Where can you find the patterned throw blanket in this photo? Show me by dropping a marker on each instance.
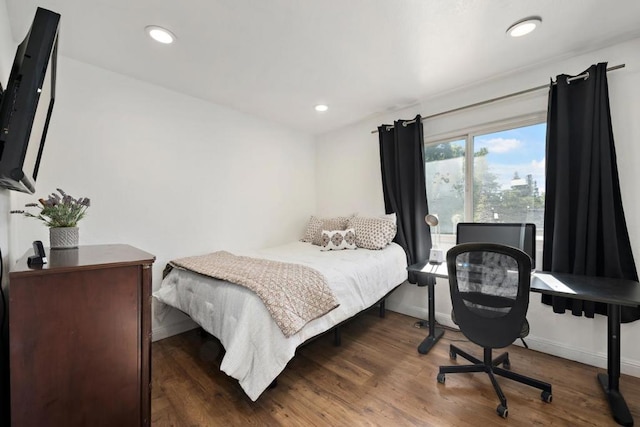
(294, 294)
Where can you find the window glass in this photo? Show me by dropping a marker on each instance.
(506, 182)
(445, 179)
(508, 175)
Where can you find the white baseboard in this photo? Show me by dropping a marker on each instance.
(599, 360)
(167, 331)
(420, 312)
(417, 311)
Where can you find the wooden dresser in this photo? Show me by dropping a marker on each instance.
(80, 338)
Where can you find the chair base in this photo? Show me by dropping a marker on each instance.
(491, 367)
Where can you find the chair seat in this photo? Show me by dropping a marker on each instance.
(524, 332)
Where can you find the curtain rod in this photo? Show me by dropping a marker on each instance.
(500, 98)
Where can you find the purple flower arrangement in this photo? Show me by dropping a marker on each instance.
(58, 210)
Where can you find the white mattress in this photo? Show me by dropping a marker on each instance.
(256, 349)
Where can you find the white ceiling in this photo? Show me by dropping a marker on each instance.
(278, 58)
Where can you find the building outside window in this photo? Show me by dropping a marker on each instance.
(502, 179)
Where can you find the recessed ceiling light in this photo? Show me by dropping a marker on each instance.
(321, 108)
(160, 34)
(524, 26)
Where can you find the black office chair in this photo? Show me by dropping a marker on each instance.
(490, 295)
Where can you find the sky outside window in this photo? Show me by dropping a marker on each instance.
(519, 150)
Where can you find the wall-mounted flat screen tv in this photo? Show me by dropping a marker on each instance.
(27, 102)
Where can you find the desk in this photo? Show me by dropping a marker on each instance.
(613, 292)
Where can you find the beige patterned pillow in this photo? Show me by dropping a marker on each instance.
(391, 217)
(373, 233)
(316, 225)
(338, 239)
(313, 226)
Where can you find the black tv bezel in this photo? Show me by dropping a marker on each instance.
(530, 232)
(35, 60)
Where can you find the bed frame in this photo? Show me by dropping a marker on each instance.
(384, 278)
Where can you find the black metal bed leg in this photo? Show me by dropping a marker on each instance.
(337, 338)
(382, 308)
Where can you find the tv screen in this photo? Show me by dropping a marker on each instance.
(27, 103)
(521, 236)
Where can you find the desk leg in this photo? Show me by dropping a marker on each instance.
(611, 382)
(434, 333)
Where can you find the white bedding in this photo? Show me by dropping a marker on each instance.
(256, 349)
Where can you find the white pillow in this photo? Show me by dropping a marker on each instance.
(338, 239)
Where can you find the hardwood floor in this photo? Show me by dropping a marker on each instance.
(376, 378)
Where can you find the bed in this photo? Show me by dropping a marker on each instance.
(256, 348)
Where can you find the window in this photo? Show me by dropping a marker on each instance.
(501, 181)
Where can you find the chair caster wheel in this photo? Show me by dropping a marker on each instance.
(441, 378)
(452, 355)
(546, 396)
(506, 364)
(502, 411)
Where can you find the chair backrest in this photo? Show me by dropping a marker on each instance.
(519, 235)
(489, 286)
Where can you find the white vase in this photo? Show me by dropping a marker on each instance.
(64, 237)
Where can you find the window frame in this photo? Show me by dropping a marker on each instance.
(467, 135)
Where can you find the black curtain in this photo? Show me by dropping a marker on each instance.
(585, 231)
(403, 185)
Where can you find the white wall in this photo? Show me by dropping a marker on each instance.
(355, 184)
(167, 173)
(7, 46)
